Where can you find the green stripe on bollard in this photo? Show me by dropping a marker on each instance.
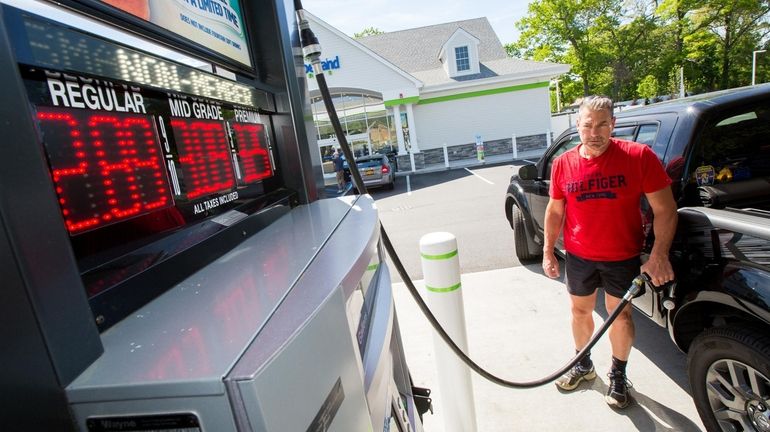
(443, 290)
(439, 257)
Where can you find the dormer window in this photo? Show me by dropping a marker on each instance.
(462, 59)
(460, 54)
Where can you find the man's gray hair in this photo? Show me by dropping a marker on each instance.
(596, 103)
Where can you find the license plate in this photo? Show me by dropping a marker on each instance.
(369, 171)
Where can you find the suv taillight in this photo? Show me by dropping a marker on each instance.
(385, 169)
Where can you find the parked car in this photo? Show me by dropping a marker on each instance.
(376, 171)
(716, 149)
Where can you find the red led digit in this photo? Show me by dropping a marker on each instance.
(106, 167)
(203, 156)
(133, 175)
(252, 151)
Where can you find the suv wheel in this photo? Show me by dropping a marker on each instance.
(525, 247)
(729, 370)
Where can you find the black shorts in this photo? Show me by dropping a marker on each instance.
(584, 276)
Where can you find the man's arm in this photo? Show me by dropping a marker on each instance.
(664, 226)
(554, 217)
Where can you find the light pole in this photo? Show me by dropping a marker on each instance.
(754, 65)
(558, 97)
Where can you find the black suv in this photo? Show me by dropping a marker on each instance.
(716, 149)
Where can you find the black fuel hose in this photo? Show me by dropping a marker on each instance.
(312, 51)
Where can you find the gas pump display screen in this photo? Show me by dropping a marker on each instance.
(131, 164)
(119, 151)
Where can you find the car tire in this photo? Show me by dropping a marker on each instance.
(392, 184)
(729, 369)
(525, 248)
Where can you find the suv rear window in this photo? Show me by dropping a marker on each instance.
(738, 141)
(730, 164)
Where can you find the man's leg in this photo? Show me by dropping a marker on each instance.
(582, 319)
(582, 279)
(621, 339)
(622, 329)
(582, 329)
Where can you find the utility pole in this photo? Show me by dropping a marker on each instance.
(754, 65)
(558, 97)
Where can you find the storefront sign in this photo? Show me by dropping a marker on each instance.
(327, 65)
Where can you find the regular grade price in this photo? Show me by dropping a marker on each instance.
(108, 167)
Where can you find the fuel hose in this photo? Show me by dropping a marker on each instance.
(311, 49)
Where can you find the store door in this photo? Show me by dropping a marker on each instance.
(359, 144)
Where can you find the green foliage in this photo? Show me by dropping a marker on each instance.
(625, 48)
(648, 87)
(369, 31)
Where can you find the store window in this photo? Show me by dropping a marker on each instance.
(462, 59)
(368, 125)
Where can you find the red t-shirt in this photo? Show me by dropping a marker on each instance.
(603, 220)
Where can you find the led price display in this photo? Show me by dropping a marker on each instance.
(252, 151)
(204, 156)
(106, 167)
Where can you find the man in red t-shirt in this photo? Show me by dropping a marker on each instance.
(595, 193)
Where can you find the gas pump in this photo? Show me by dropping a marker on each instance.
(167, 260)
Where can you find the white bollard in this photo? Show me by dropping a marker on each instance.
(411, 160)
(548, 137)
(446, 157)
(515, 147)
(443, 294)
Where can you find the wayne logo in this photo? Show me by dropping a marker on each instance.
(328, 65)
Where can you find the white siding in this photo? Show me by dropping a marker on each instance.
(498, 116)
(359, 69)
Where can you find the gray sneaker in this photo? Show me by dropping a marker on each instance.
(617, 393)
(570, 380)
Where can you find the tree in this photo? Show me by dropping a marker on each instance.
(369, 31)
(558, 26)
(615, 45)
(648, 87)
(738, 25)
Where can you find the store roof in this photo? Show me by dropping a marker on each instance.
(416, 51)
(493, 68)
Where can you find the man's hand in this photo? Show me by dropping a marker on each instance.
(550, 265)
(554, 217)
(658, 268)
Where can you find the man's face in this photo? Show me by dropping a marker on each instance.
(595, 128)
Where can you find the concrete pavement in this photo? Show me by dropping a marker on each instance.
(519, 329)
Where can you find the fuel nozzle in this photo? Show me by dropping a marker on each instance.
(668, 290)
(636, 286)
(311, 48)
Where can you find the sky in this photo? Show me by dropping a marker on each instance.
(351, 16)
